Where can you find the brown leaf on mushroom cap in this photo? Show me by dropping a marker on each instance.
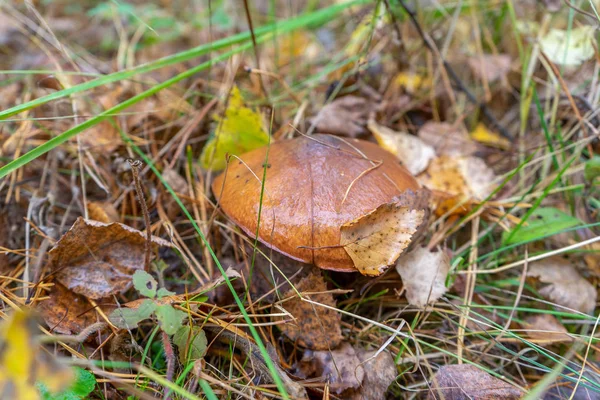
(313, 327)
(96, 259)
(374, 241)
(67, 312)
(313, 186)
(465, 381)
(566, 286)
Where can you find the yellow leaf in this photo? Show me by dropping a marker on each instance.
(411, 82)
(22, 363)
(238, 132)
(483, 135)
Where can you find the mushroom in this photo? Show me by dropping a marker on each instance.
(340, 204)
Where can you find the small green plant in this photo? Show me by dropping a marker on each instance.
(170, 319)
(84, 384)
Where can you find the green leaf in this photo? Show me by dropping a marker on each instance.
(162, 292)
(191, 342)
(144, 283)
(170, 319)
(542, 222)
(84, 384)
(592, 169)
(128, 318)
(238, 132)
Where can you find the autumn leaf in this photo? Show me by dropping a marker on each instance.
(414, 154)
(484, 135)
(239, 131)
(97, 259)
(423, 275)
(346, 116)
(375, 240)
(313, 327)
(545, 328)
(565, 285)
(23, 363)
(465, 381)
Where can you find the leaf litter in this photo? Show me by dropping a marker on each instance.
(461, 114)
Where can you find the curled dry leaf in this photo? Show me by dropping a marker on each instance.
(341, 367)
(457, 180)
(414, 154)
(346, 116)
(569, 47)
(66, 312)
(566, 286)
(546, 328)
(491, 67)
(423, 275)
(465, 381)
(97, 260)
(447, 139)
(313, 327)
(376, 240)
(380, 372)
(102, 211)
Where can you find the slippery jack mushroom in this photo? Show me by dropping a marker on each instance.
(340, 204)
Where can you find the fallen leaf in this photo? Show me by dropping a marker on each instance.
(239, 131)
(102, 211)
(413, 153)
(129, 318)
(97, 260)
(491, 67)
(380, 372)
(483, 135)
(546, 328)
(346, 116)
(423, 275)
(447, 139)
(569, 47)
(23, 363)
(341, 367)
(465, 381)
(458, 180)
(66, 312)
(412, 83)
(313, 327)
(176, 181)
(566, 287)
(376, 240)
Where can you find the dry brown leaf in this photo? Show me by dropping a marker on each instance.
(66, 312)
(414, 154)
(97, 260)
(176, 181)
(423, 275)
(375, 240)
(490, 67)
(447, 139)
(102, 211)
(465, 381)
(313, 327)
(546, 328)
(345, 116)
(566, 286)
(458, 180)
(380, 372)
(341, 367)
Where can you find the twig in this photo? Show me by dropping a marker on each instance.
(452, 74)
(170, 358)
(135, 169)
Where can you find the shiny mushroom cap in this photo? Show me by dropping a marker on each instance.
(316, 185)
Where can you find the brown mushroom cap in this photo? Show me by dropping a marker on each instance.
(313, 186)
